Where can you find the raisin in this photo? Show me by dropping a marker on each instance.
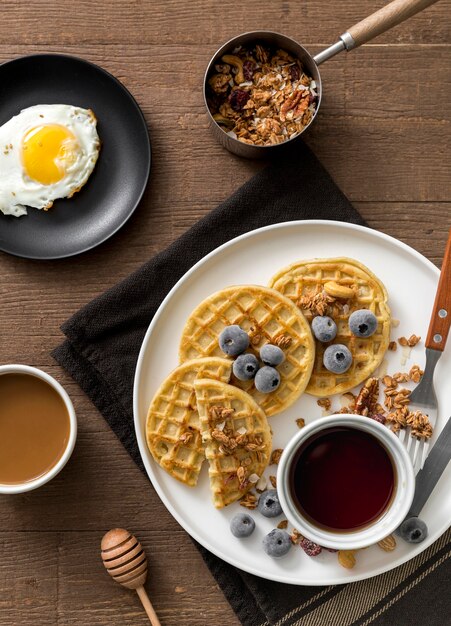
(378, 417)
(295, 72)
(238, 99)
(310, 547)
(248, 69)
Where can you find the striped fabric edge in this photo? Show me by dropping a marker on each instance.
(358, 600)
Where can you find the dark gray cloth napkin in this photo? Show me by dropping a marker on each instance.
(100, 352)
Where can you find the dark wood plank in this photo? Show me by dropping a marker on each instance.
(46, 23)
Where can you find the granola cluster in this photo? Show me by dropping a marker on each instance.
(230, 441)
(261, 96)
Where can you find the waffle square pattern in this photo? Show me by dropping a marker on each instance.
(268, 317)
(337, 287)
(236, 436)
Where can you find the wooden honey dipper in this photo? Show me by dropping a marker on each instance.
(125, 560)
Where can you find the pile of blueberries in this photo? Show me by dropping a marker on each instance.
(337, 358)
(277, 542)
(233, 341)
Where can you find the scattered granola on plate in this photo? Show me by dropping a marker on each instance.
(261, 96)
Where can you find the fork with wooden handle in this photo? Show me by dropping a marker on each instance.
(125, 560)
(423, 397)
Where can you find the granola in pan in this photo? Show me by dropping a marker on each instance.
(261, 96)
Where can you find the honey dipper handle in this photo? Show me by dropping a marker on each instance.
(441, 313)
(153, 618)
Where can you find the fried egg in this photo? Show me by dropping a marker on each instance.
(47, 151)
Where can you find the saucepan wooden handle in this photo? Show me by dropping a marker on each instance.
(441, 312)
(388, 16)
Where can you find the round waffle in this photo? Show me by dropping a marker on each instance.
(237, 439)
(268, 317)
(172, 427)
(337, 287)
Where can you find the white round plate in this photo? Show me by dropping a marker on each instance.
(254, 257)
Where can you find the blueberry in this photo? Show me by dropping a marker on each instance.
(413, 530)
(267, 379)
(245, 366)
(324, 328)
(242, 525)
(271, 355)
(362, 323)
(233, 340)
(277, 543)
(337, 358)
(268, 503)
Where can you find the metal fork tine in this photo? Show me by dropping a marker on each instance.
(415, 453)
(425, 453)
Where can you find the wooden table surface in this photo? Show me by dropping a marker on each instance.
(383, 134)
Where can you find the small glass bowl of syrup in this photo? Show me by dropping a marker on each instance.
(345, 482)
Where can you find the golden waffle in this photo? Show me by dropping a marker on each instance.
(237, 439)
(267, 316)
(302, 280)
(173, 428)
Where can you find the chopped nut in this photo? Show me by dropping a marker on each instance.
(338, 291)
(237, 63)
(295, 536)
(317, 303)
(415, 373)
(219, 412)
(411, 341)
(275, 456)
(261, 485)
(324, 403)
(276, 100)
(420, 427)
(300, 422)
(283, 341)
(346, 558)
(186, 437)
(273, 481)
(393, 346)
(283, 524)
(388, 544)
(366, 401)
(249, 501)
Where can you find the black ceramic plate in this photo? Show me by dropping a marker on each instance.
(117, 183)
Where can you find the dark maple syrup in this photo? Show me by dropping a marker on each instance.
(342, 479)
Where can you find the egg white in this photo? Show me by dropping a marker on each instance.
(17, 189)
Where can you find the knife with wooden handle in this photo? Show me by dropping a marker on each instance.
(413, 529)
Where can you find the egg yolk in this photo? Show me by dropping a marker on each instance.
(47, 152)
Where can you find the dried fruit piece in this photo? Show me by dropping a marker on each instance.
(310, 547)
(238, 99)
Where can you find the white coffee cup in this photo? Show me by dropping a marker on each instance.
(53, 471)
(393, 515)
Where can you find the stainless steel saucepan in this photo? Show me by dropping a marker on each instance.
(382, 20)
